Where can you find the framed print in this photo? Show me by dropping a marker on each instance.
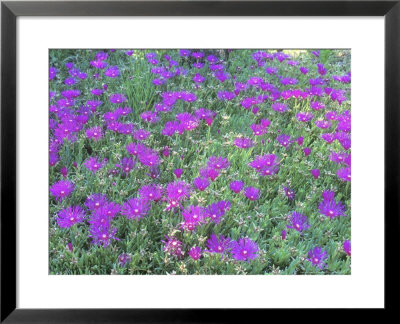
(195, 152)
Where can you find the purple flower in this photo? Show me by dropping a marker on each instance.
(195, 253)
(347, 247)
(315, 173)
(304, 116)
(95, 132)
(188, 121)
(242, 142)
(102, 235)
(124, 259)
(330, 207)
(151, 192)
(141, 134)
(303, 70)
(321, 69)
(178, 173)
(244, 249)
(266, 165)
(317, 257)
(344, 174)
(70, 216)
(150, 116)
(210, 173)
(177, 191)
(173, 247)
(117, 98)
(283, 235)
(217, 210)
(62, 189)
(135, 208)
(201, 183)
(93, 164)
(252, 193)
(218, 162)
(316, 105)
(193, 216)
(323, 124)
(236, 186)
(298, 221)
(284, 140)
(112, 72)
(280, 107)
(198, 78)
(307, 151)
(329, 138)
(218, 244)
(126, 165)
(289, 193)
(96, 201)
(52, 73)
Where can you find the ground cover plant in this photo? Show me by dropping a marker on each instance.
(199, 161)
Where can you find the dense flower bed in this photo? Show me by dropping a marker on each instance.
(200, 162)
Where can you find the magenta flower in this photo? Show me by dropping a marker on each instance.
(289, 193)
(135, 208)
(315, 173)
(347, 247)
(126, 165)
(217, 210)
(173, 247)
(344, 174)
(198, 78)
(141, 134)
(201, 183)
(151, 192)
(178, 173)
(280, 107)
(124, 259)
(62, 189)
(210, 173)
(102, 235)
(96, 201)
(284, 140)
(266, 165)
(317, 257)
(298, 221)
(70, 216)
(307, 151)
(283, 235)
(195, 253)
(95, 133)
(178, 190)
(252, 193)
(330, 207)
(242, 142)
(218, 162)
(218, 244)
(304, 117)
(244, 249)
(93, 164)
(112, 72)
(117, 98)
(193, 216)
(236, 186)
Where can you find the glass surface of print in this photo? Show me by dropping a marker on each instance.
(200, 161)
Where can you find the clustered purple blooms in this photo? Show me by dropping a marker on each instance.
(94, 164)
(266, 165)
(243, 142)
(252, 193)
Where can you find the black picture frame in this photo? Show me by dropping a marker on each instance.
(10, 10)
